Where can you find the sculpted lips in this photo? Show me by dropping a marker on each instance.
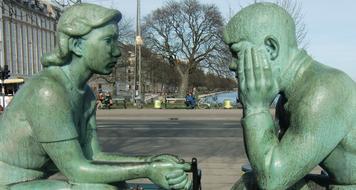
(112, 64)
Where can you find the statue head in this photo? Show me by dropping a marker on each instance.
(268, 28)
(78, 24)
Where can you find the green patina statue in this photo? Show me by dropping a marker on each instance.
(50, 124)
(315, 115)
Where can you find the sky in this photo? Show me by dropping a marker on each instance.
(330, 25)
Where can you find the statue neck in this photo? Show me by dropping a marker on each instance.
(294, 71)
(77, 73)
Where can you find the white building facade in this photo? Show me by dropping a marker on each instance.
(27, 31)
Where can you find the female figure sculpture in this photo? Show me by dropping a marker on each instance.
(51, 120)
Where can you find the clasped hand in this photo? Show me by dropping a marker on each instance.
(169, 172)
(257, 87)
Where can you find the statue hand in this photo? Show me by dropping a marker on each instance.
(257, 87)
(170, 175)
(166, 157)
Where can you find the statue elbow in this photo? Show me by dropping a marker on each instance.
(274, 179)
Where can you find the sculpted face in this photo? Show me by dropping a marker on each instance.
(266, 28)
(100, 49)
(239, 49)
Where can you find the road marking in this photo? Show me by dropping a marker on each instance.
(144, 127)
(134, 124)
(199, 139)
(230, 124)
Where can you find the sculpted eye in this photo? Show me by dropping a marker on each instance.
(108, 40)
(235, 54)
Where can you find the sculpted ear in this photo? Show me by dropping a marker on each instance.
(76, 46)
(272, 47)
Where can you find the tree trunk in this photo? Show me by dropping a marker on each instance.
(183, 86)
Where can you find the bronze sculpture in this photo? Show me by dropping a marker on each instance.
(315, 116)
(50, 124)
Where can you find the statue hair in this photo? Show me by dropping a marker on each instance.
(75, 22)
(260, 20)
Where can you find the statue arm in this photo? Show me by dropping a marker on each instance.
(315, 127)
(53, 126)
(68, 157)
(315, 131)
(94, 152)
(91, 148)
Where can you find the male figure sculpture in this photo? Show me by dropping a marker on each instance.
(51, 120)
(316, 113)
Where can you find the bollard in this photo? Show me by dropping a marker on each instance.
(157, 104)
(196, 175)
(227, 104)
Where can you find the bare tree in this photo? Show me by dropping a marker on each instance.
(65, 3)
(126, 31)
(187, 34)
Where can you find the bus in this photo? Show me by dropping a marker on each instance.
(11, 86)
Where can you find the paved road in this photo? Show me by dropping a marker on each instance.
(212, 136)
(217, 144)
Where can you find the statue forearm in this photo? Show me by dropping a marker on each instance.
(115, 157)
(107, 172)
(260, 138)
(69, 159)
(94, 152)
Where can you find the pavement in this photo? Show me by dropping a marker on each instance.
(214, 136)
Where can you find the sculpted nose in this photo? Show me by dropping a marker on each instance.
(233, 66)
(116, 52)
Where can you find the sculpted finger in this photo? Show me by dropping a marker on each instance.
(169, 157)
(180, 185)
(185, 166)
(172, 157)
(261, 60)
(188, 185)
(267, 71)
(240, 71)
(250, 80)
(177, 180)
(175, 174)
(257, 71)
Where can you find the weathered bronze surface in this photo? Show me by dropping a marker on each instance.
(316, 114)
(50, 124)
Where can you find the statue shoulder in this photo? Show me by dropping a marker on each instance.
(323, 97)
(338, 82)
(327, 86)
(52, 121)
(47, 90)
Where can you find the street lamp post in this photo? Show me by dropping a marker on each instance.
(138, 45)
(132, 59)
